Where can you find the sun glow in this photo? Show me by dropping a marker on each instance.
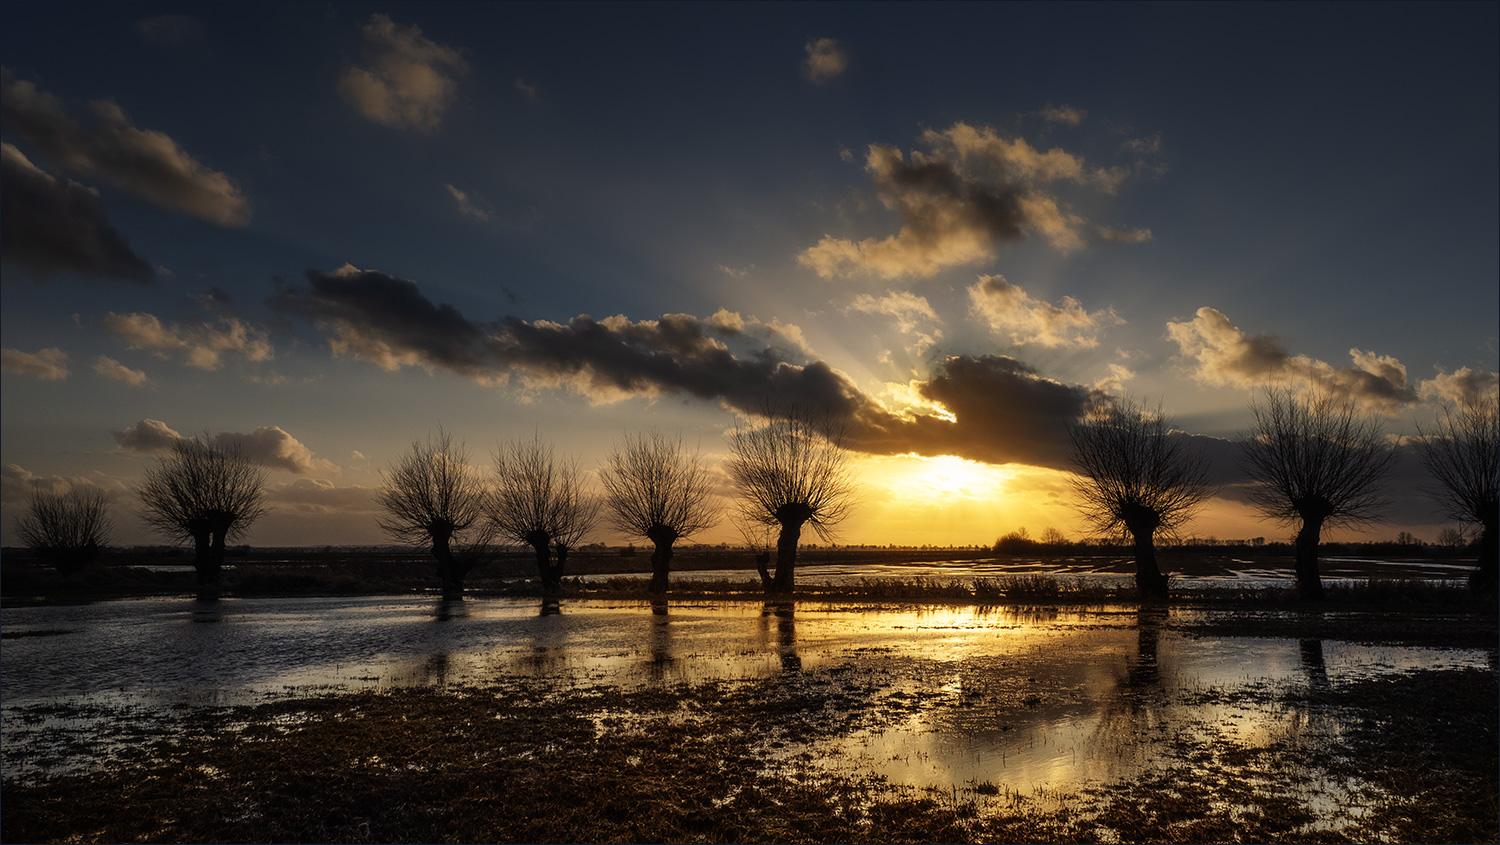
(939, 480)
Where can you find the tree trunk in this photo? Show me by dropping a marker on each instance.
(786, 559)
(1486, 576)
(560, 567)
(449, 571)
(661, 557)
(1309, 582)
(1148, 578)
(762, 562)
(203, 559)
(541, 542)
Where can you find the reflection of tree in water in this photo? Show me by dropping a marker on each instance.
(662, 658)
(1143, 671)
(1136, 716)
(551, 607)
(1312, 663)
(450, 608)
(786, 632)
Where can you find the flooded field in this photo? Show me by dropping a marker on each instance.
(1005, 701)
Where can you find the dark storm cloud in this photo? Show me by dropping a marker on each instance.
(998, 409)
(48, 226)
(387, 321)
(142, 162)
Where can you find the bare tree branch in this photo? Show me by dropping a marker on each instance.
(1315, 462)
(1462, 453)
(432, 496)
(67, 529)
(541, 502)
(1135, 477)
(792, 471)
(653, 489)
(206, 492)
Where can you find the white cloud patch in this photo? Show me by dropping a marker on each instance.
(109, 368)
(46, 364)
(826, 60)
(143, 162)
(1459, 386)
(407, 81)
(202, 345)
(1008, 308)
(1222, 354)
(908, 308)
(969, 191)
(471, 204)
(268, 445)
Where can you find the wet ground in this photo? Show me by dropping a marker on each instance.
(1005, 701)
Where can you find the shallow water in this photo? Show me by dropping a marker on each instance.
(1022, 698)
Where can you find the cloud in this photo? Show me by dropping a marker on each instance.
(147, 437)
(388, 322)
(1225, 355)
(989, 408)
(203, 345)
(994, 409)
(170, 30)
(969, 191)
(272, 447)
(1459, 386)
(267, 445)
(908, 308)
(471, 204)
(407, 81)
(46, 364)
(145, 163)
(110, 368)
(826, 60)
(1110, 234)
(527, 90)
(1144, 146)
(49, 227)
(1007, 308)
(1064, 114)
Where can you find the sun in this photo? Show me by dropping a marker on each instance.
(939, 480)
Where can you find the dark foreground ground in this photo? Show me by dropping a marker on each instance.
(1407, 756)
(1410, 758)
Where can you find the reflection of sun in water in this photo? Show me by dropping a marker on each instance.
(941, 480)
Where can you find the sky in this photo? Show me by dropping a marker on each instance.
(326, 230)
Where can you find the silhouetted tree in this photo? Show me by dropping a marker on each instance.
(1134, 477)
(433, 497)
(66, 530)
(205, 492)
(653, 489)
(1463, 454)
(1316, 462)
(540, 501)
(790, 472)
